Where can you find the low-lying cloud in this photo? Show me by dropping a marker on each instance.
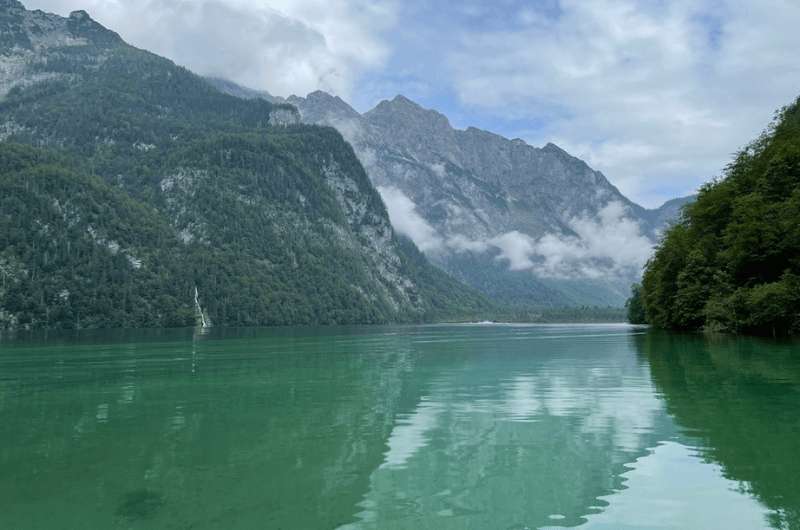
(408, 222)
(608, 244)
(611, 243)
(516, 248)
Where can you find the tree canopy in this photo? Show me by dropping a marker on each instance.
(733, 262)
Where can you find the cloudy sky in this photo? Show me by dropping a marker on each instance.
(657, 94)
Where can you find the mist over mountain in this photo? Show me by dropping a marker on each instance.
(526, 225)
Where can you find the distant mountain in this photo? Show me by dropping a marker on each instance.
(128, 185)
(669, 212)
(525, 225)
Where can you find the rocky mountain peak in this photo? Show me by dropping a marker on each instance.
(11, 5)
(550, 146)
(569, 160)
(402, 110)
(320, 106)
(80, 15)
(83, 25)
(423, 133)
(401, 100)
(37, 32)
(321, 97)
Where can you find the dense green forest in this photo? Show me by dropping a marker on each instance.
(126, 182)
(733, 263)
(80, 253)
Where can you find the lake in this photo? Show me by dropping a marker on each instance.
(418, 427)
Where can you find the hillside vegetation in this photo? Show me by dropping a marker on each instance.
(733, 263)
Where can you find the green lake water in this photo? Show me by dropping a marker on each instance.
(430, 427)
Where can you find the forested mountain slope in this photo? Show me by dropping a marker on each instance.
(146, 183)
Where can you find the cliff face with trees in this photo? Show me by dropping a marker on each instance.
(127, 182)
(733, 263)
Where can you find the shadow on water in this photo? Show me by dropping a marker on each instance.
(740, 397)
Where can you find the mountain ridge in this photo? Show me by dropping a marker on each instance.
(321, 97)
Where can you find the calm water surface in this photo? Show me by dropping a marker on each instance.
(433, 427)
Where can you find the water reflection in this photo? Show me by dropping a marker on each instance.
(670, 488)
(520, 428)
(738, 399)
(426, 427)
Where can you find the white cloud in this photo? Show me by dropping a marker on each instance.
(284, 46)
(515, 247)
(352, 132)
(655, 94)
(606, 246)
(610, 245)
(407, 221)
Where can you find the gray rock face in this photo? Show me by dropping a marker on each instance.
(526, 225)
(472, 182)
(31, 42)
(323, 109)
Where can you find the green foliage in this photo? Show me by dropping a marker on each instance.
(733, 262)
(635, 306)
(77, 253)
